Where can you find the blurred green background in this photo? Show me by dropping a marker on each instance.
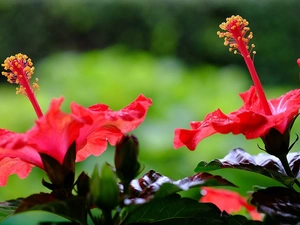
(111, 51)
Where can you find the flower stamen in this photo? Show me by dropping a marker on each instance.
(237, 36)
(20, 69)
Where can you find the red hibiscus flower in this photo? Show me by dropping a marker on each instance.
(107, 125)
(270, 120)
(91, 128)
(52, 135)
(250, 120)
(229, 201)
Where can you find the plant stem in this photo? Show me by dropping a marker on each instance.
(126, 184)
(287, 168)
(116, 218)
(91, 216)
(106, 217)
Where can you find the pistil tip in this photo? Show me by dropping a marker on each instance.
(237, 35)
(20, 69)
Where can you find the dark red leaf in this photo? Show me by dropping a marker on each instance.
(154, 184)
(280, 203)
(262, 163)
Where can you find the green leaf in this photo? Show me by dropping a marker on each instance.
(240, 220)
(58, 223)
(73, 208)
(176, 210)
(104, 189)
(8, 208)
(280, 203)
(206, 167)
(95, 184)
(262, 163)
(153, 184)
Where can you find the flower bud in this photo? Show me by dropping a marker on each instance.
(126, 158)
(82, 184)
(278, 144)
(104, 188)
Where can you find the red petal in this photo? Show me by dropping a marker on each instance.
(54, 132)
(189, 138)
(199, 131)
(107, 125)
(11, 140)
(251, 101)
(284, 109)
(10, 166)
(229, 201)
(14, 145)
(250, 124)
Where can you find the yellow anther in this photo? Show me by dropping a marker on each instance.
(20, 70)
(235, 32)
(21, 90)
(35, 86)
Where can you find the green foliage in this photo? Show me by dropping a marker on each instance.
(7, 208)
(176, 210)
(157, 204)
(104, 188)
(184, 29)
(181, 211)
(177, 91)
(73, 208)
(116, 77)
